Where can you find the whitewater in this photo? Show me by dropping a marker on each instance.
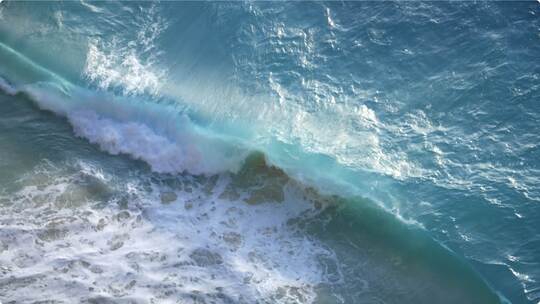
(265, 152)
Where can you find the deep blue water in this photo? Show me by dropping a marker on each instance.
(269, 152)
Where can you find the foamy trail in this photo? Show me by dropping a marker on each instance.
(161, 136)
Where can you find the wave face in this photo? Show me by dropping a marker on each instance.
(258, 152)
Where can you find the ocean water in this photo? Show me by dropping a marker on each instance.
(269, 152)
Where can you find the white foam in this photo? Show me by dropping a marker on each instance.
(141, 142)
(198, 245)
(329, 20)
(165, 139)
(120, 68)
(91, 7)
(131, 66)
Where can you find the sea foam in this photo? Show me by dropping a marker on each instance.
(195, 247)
(165, 139)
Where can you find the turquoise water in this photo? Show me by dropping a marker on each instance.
(260, 152)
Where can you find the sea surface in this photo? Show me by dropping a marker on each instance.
(270, 152)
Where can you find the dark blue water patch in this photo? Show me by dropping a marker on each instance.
(495, 238)
(505, 283)
(399, 263)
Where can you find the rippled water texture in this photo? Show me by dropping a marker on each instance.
(264, 152)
